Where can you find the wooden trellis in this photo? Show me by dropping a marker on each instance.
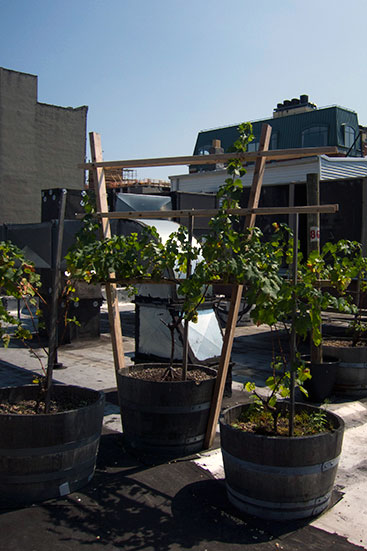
(259, 157)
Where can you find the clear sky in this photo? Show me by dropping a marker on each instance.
(155, 72)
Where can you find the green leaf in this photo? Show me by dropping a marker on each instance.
(272, 401)
(249, 387)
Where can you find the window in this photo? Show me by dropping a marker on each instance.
(349, 135)
(204, 150)
(315, 136)
(253, 146)
(274, 140)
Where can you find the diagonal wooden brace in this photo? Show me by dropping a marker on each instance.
(236, 296)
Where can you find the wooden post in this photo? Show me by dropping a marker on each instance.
(313, 219)
(236, 296)
(364, 217)
(102, 206)
(313, 241)
(359, 296)
(291, 199)
(53, 337)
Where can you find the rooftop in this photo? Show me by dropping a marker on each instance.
(134, 505)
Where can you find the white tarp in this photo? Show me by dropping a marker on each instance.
(205, 336)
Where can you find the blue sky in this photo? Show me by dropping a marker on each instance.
(155, 72)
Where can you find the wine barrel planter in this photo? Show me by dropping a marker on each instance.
(45, 456)
(323, 378)
(164, 419)
(351, 377)
(277, 477)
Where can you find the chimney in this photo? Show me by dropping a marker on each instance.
(293, 106)
(216, 147)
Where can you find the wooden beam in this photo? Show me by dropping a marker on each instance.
(159, 214)
(258, 176)
(224, 361)
(313, 244)
(275, 154)
(237, 291)
(166, 281)
(111, 293)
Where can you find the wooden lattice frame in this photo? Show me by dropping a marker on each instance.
(259, 157)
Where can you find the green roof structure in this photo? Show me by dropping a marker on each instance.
(295, 123)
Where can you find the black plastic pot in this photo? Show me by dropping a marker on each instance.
(164, 419)
(46, 456)
(323, 378)
(351, 377)
(277, 477)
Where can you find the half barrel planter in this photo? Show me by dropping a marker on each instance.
(164, 419)
(351, 376)
(278, 477)
(44, 456)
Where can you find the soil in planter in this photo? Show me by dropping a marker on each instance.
(345, 343)
(162, 374)
(305, 423)
(33, 407)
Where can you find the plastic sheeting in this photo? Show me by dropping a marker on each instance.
(205, 336)
(126, 202)
(164, 228)
(153, 336)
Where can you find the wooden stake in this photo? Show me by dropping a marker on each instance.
(185, 358)
(293, 347)
(236, 296)
(313, 243)
(111, 293)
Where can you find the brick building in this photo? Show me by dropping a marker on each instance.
(40, 147)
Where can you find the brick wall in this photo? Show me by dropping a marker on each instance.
(40, 147)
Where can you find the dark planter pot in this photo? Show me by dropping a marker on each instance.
(351, 377)
(323, 378)
(164, 419)
(277, 477)
(48, 455)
